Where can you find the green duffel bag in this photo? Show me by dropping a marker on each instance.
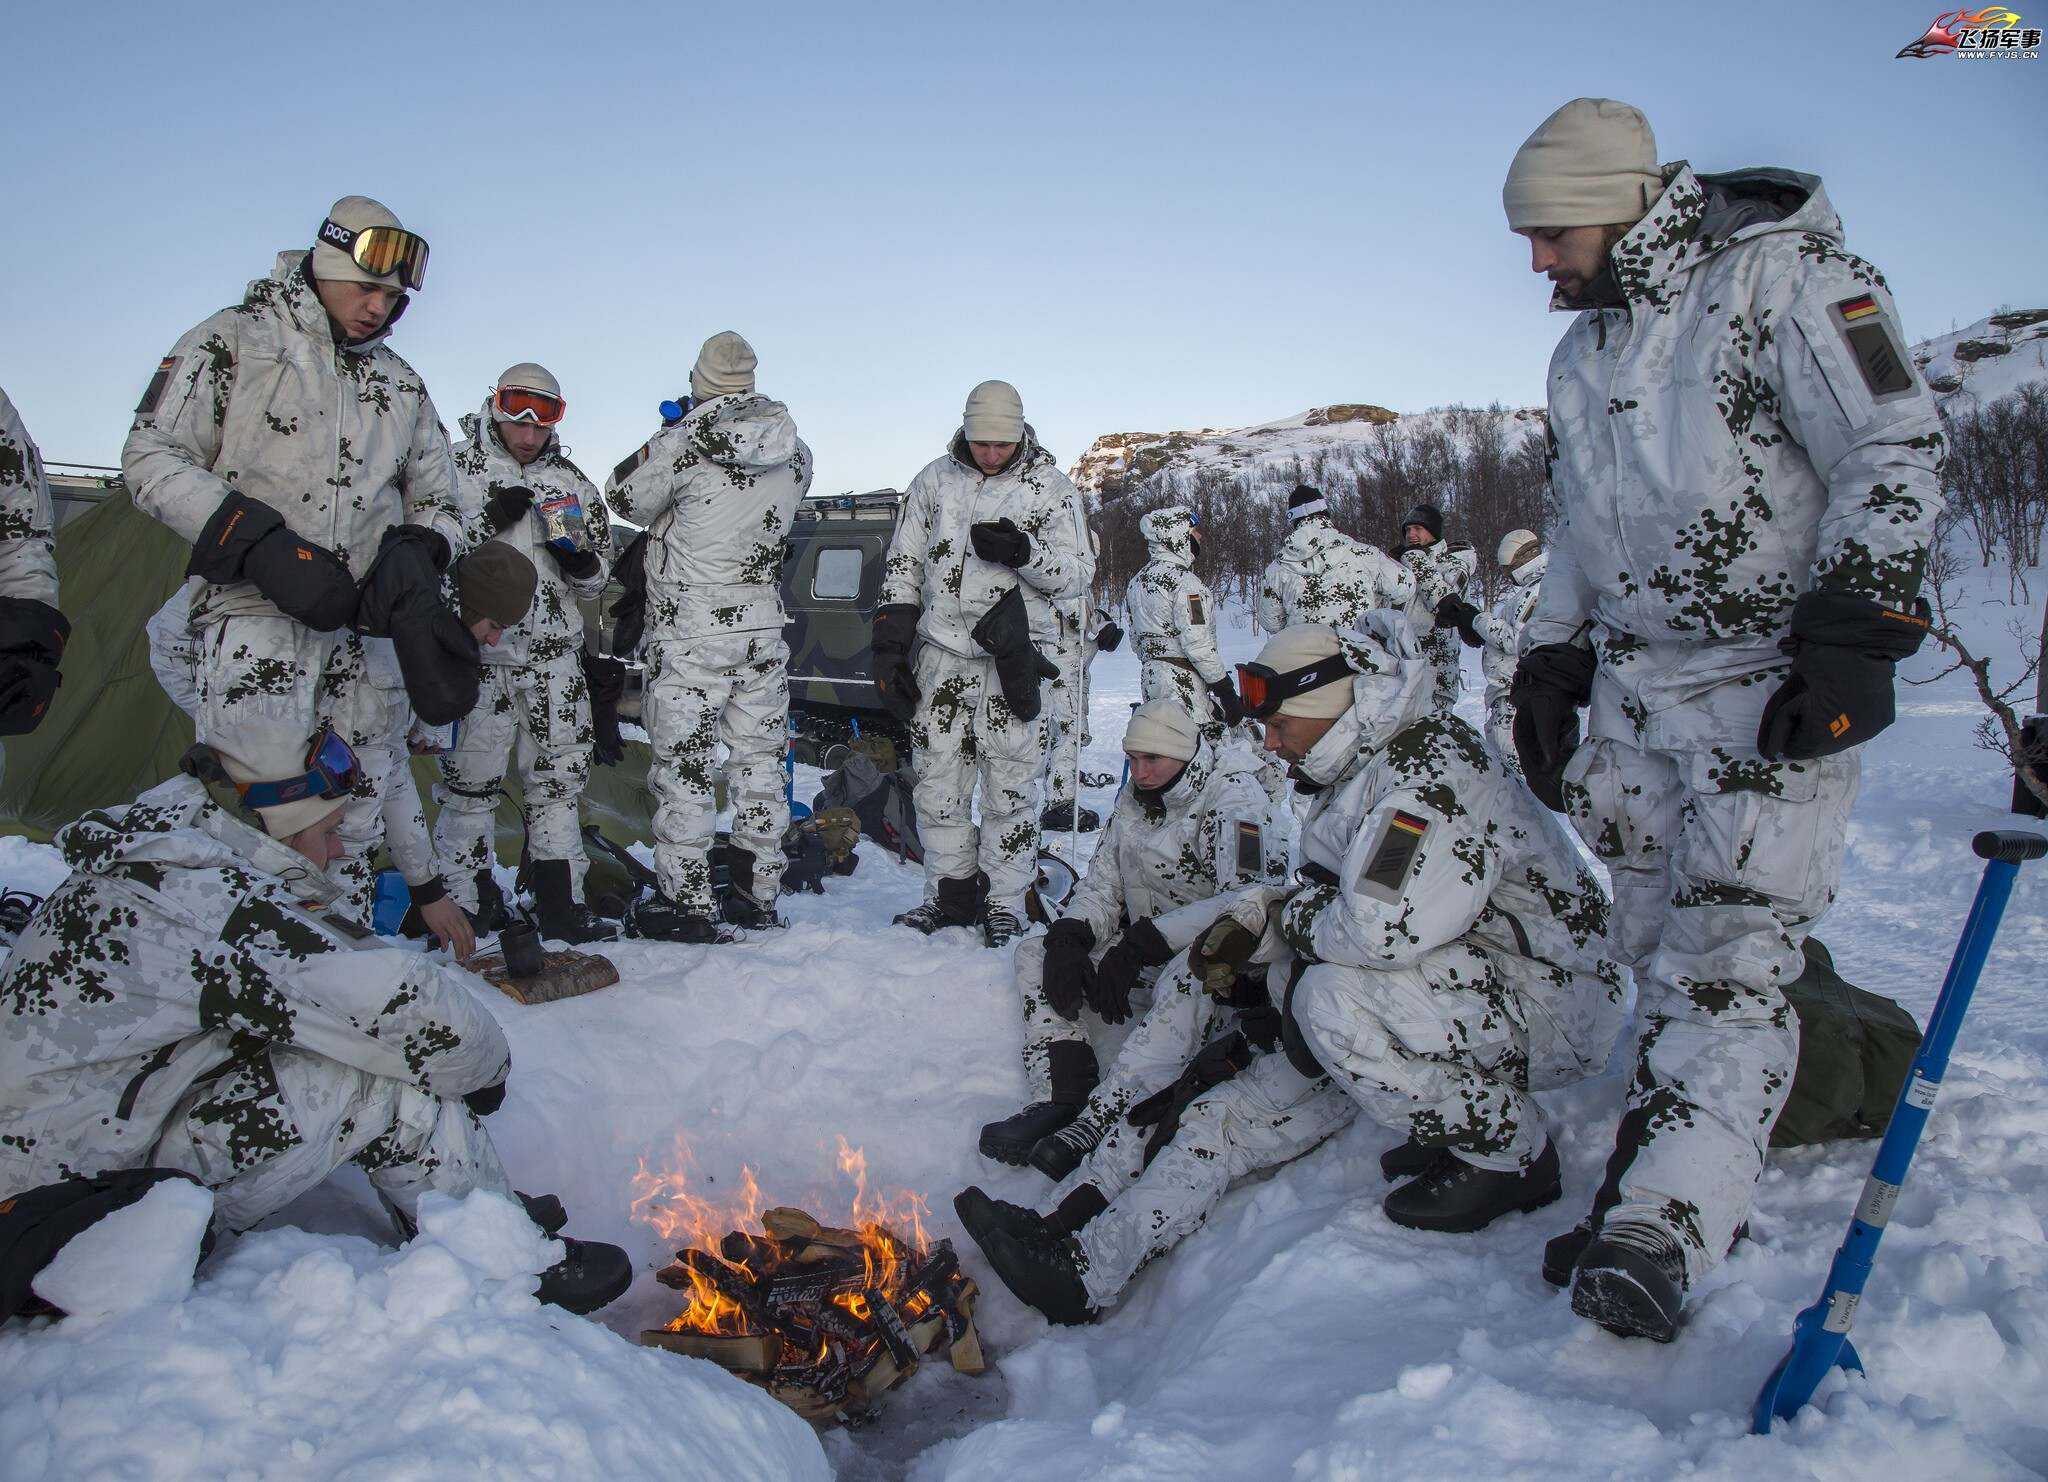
(1855, 1050)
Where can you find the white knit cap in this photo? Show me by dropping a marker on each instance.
(1516, 547)
(331, 264)
(724, 366)
(995, 414)
(264, 756)
(526, 376)
(1162, 728)
(1591, 163)
(1298, 647)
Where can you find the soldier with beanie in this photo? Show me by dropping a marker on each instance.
(1438, 957)
(1748, 469)
(520, 494)
(717, 494)
(992, 540)
(1192, 824)
(1444, 571)
(306, 464)
(1322, 575)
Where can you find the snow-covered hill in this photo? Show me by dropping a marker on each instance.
(1992, 358)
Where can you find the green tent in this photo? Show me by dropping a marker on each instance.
(112, 733)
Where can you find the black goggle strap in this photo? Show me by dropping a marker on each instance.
(1273, 689)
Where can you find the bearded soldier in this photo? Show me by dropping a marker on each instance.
(1748, 468)
(716, 494)
(1443, 571)
(1190, 825)
(1439, 959)
(1322, 575)
(991, 540)
(518, 487)
(32, 631)
(303, 459)
(189, 999)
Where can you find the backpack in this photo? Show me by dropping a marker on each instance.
(1855, 1051)
(881, 800)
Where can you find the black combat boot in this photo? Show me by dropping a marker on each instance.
(1561, 1253)
(1060, 1153)
(590, 1275)
(1409, 1159)
(956, 903)
(1456, 1197)
(562, 919)
(981, 1215)
(544, 1210)
(739, 906)
(1045, 1276)
(1058, 818)
(1074, 1074)
(1631, 1280)
(1000, 926)
(661, 919)
(491, 913)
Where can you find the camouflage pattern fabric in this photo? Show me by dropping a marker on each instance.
(174, 649)
(1063, 755)
(1727, 440)
(28, 551)
(965, 733)
(1500, 632)
(731, 690)
(1215, 832)
(1324, 576)
(1445, 568)
(189, 997)
(385, 808)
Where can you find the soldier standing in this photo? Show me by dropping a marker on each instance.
(1322, 575)
(517, 485)
(32, 631)
(1731, 600)
(1523, 558)
(716, 493)
(991, 540)
(1444, 571)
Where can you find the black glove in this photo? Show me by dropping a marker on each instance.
(1226, 699)
(1215, 1063)
(606, 680)
(438, 657)
(32, 639)
(1000, 541)
(247, 540)
(578, 563)
(1551, 683)
(1069, 972)
(507, 507)
(487, 1099)
(1455, 612)
(1839, 694)
(1136, 948)
(1108, 638)
(893, 633)
(1004, 633)
(629, 613)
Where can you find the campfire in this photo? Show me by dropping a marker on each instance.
(825, 1318)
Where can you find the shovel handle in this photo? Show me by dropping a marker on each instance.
(2009, 845)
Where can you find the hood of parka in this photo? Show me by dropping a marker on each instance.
(1395, 686)
(289, 289)
(742, 432)
(1028, 452)
(1169, 535)
(1181, 795)
(1698, 216)
(177, 825)
(1310, 536)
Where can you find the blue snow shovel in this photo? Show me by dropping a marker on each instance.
(1820, 1334)
(798, 812)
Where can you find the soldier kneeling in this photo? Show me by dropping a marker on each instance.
(192, 999)
(1438, 959)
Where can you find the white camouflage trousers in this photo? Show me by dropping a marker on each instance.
(539, 716)
(731, 690)
(1721, 863)
(406, 1140)
(1067, 737)
(1500, 731)
(1170, 1013)
(965, 732)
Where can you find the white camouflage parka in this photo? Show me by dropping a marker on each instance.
(342, 441)
(28, 550)
(717, 494)
(1744, 426)
(1173, 615)
(1500, 633)
(1322, 575)
(183, 947)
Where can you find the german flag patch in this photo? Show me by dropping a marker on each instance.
(1886, 372)
(1251, 850)
(1195, 609)
(1393, 856)
(630, 464)
(154, 391)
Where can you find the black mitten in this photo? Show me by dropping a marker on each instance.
(893, 633)
(1839, 694)
(1551, 683)
(1069, 971)
(247, 540)
(1000, 541)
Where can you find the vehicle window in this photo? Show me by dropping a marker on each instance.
(837, 574)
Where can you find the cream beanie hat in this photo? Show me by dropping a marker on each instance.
(995, 414)
(724, 366)
(1162, 728)
(266, 757)
(1591, 163)
(331, 264)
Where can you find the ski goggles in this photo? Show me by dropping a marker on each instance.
(1265, 689)
(380, 251)
(331, 773)
(521, 404)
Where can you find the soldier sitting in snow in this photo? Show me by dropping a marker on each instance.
(190, 999)
(1191, 824)
(1439, 958)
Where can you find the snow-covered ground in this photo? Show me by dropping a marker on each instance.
(1300, 1335)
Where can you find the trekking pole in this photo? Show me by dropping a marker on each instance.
(1820, 1334)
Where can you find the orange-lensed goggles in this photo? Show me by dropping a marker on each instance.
(518, 404)
(380, 251)
(1264, 689)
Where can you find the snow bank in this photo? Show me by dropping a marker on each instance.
(309, 1356)
(133, 1257)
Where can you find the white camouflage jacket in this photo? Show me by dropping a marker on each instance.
(1322, 575)
(260, 400)
(717, 494)
(1215, 832)
(1173, 614)
(28, 551)
(181, 947)
(565, 501)
(932, 564)
(1500, 630)
(1745, 425)
(1430, 842)
(1443, 568)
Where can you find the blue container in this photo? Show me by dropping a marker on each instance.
(393, 898)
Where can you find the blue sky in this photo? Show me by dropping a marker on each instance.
(1147, 216)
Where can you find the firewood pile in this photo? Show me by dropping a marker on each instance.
(826, 1320)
